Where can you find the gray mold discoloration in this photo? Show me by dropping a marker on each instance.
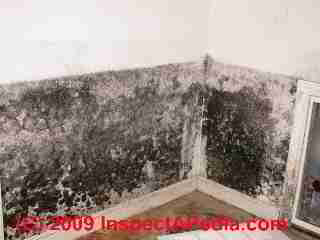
(79, 144)
(249, 118)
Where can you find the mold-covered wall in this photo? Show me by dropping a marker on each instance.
(79, 144)
(248, 124)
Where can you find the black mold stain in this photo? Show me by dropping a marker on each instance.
(90, 147)
(293, 88)
(88, 142)
(236, 133)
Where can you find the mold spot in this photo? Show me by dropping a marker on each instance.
(237, 141)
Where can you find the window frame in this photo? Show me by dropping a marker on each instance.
(309, 94)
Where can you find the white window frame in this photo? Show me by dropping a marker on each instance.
(308, 94)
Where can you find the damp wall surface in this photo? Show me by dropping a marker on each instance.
(79, 144)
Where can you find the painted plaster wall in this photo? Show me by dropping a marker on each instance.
(41, 39)
(274, 36)
(57, 39)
